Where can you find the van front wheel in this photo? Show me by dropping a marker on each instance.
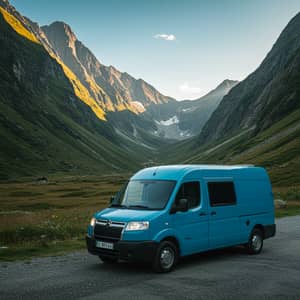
(256, 242)
(166, 257)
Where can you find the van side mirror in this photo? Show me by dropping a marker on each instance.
(112, 198)
(182, 206)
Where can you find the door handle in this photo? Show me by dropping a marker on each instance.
(213, 213)
(202, 214)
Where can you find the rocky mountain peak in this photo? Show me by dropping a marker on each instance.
(62, 34)
(227, 83)
(61, 27)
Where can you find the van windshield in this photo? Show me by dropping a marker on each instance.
(145, 194)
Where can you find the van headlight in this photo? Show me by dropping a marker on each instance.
(137, 226)
(93, 222)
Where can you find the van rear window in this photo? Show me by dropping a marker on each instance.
(221, 193)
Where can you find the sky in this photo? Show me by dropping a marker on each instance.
(184, 48)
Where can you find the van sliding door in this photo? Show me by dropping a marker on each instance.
(222, 210)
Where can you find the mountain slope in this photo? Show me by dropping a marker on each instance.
(264, 97)
(44, 127)
(276, 148)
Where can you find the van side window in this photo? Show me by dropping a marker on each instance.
(221, 193)
(191, 192)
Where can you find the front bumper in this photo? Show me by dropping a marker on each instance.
(125, 250)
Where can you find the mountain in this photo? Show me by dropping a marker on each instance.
(62, 111)
(103, 88)
(183, 119)
(44, 127)
(112, 89)
(258, 121)
(265, 96)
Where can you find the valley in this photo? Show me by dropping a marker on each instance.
(63, 112)
(84, 128)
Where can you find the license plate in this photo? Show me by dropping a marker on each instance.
(105, 245)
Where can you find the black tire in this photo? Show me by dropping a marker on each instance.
(256, 241)
(166, 257)
(108, 260)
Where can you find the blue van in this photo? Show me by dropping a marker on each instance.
(163, 213)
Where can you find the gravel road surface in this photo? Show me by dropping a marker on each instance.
(222, 274)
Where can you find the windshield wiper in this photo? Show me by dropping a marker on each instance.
(139, 206)
(118, 205)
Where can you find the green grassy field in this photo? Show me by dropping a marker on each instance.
(51, 219)
(42, 219)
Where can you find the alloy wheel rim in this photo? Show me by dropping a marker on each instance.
(167, 257)
(256, 242)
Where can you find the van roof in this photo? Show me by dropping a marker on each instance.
(175, 172)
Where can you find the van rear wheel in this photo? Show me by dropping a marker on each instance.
(166, 257)
(256, 242)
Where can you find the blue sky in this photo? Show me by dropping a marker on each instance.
(184, 48)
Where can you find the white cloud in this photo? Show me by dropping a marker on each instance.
(187, 88)
(190, 90)
(166, 37)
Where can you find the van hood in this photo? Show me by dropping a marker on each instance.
(127, 215)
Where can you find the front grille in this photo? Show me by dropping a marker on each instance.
(108, 231)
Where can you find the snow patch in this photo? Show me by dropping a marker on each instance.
(171, 121)
(185, 133)
(187, 109)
